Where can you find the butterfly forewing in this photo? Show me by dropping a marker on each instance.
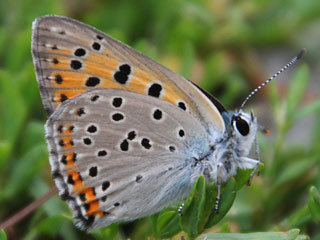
(111, 151)
(72, 58)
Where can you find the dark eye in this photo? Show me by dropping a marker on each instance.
(242, 126)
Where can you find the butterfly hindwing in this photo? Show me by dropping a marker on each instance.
(111, 151)
(72, 58)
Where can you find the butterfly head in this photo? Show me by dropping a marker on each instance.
(241, 128)
(244, 124)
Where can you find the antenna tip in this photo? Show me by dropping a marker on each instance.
(266, 131)
(301, 53)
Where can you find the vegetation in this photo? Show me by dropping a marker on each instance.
(219, 45)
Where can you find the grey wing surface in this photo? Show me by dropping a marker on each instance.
(118, 155)
(63, 73)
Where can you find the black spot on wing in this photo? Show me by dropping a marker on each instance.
(93, 171)
(93, 82)
(80, 52)
(75, 64)
(155, 90)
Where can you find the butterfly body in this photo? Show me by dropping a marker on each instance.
(127, 136)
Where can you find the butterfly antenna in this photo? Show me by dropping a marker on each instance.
(273, 77)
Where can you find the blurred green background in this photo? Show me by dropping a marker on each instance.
(228, 47)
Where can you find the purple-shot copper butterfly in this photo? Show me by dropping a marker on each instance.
(126, 135)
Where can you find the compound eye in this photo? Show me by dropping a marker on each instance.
(242, 126)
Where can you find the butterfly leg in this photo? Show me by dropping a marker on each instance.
(257, 164)
(253, 173)
(249, 163)
(180, 209)
(219, 166)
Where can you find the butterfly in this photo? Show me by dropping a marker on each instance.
(126, 135)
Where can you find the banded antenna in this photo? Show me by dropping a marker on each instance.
(273, 77)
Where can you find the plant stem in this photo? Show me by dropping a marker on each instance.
(11, 221)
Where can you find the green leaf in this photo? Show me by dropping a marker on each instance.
(314, 203)
(154, 225)
(229, 192)
(210, 202)
(243, 175)
(109, 232)
(165, 217)
(3, 235)
(168, 224)
(290, 235)
(193, 209)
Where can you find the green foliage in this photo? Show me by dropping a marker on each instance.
(217, 44)
(314, 203)
(198, 212)
(291, 235)
(3, 235)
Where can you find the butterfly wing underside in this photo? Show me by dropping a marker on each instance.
(72, 58)
(117, 155)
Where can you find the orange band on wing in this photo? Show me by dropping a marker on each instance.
(92, 207)
(66, 142)
(77, 180)
(70, 158)
(89, 194)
